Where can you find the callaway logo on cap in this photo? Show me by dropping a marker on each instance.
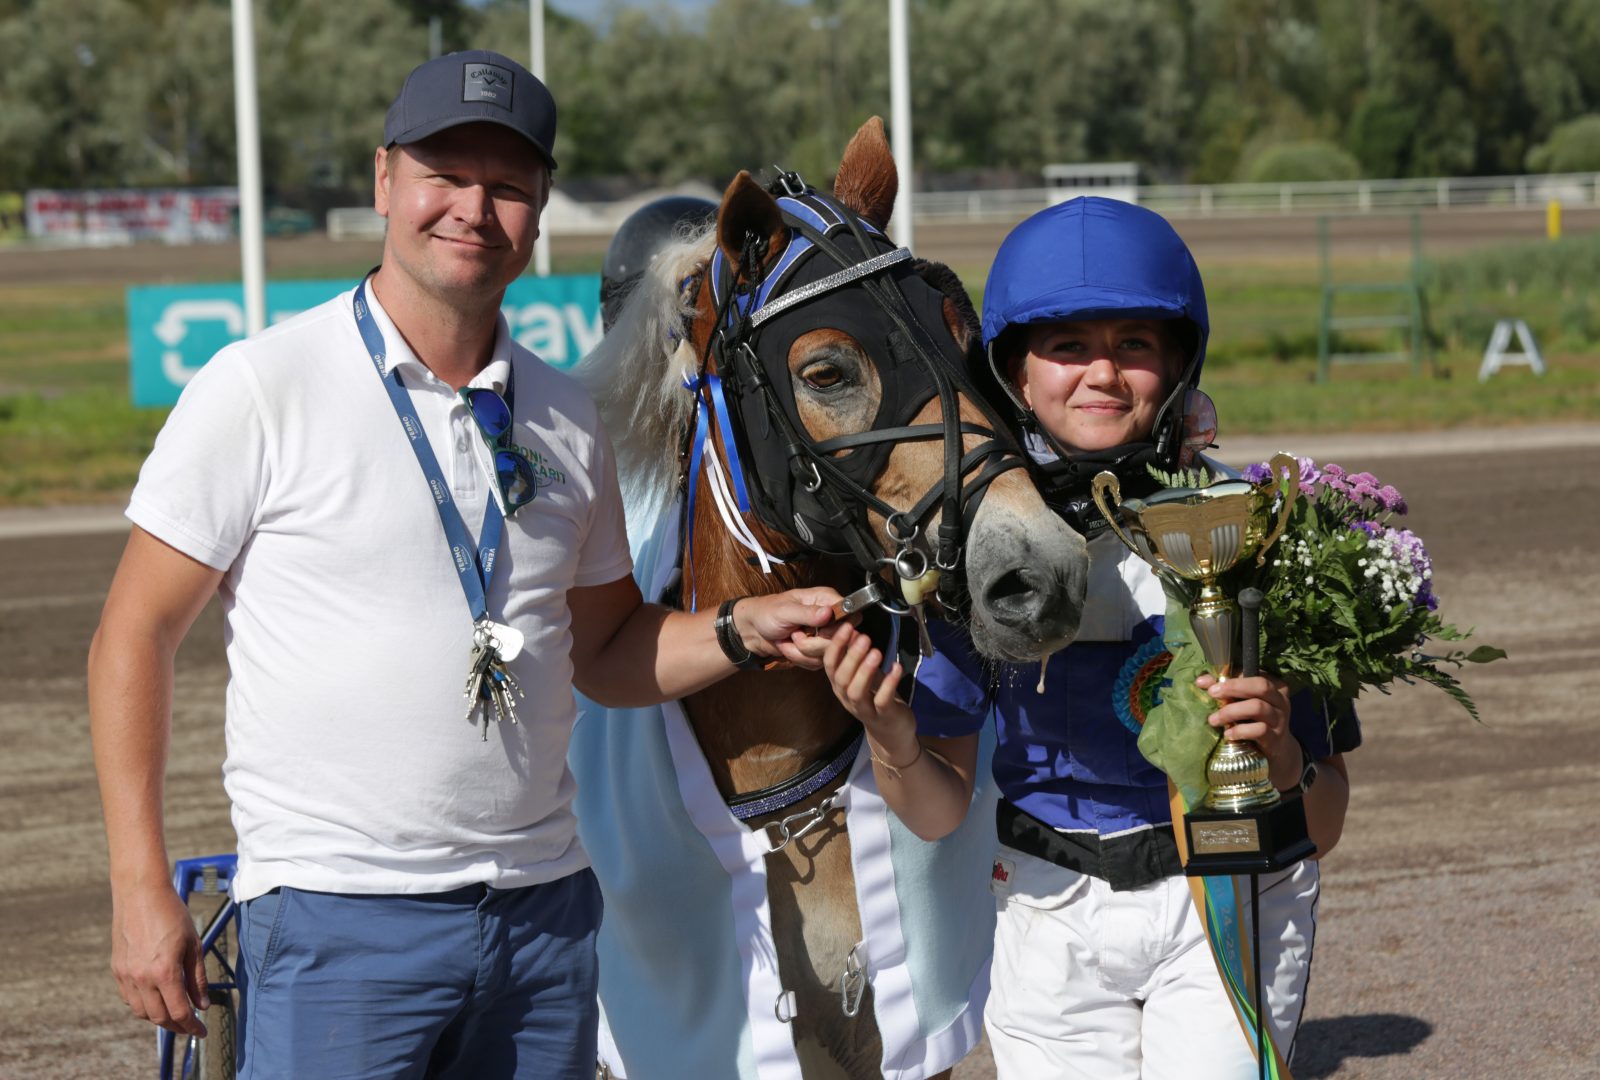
(486, 82)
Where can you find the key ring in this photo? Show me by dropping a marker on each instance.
(910, 563)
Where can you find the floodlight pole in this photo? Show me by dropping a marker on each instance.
(247, 130)
(541, 246)
(900, 121)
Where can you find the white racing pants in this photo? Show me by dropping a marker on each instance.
(1091, 984)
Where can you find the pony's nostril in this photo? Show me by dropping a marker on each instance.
(1013, 597)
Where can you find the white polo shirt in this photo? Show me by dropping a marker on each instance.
(350, 761)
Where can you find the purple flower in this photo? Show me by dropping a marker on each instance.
(1363, 485)
(1391, 500)
(1371, 528)
(1259, 473)
(1330, 471)
(1308, 476)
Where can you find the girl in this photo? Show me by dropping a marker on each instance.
(1095, 321)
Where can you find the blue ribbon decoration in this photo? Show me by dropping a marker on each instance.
(473, 571)
(719, 404)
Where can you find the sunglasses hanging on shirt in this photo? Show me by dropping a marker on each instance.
(513, 473)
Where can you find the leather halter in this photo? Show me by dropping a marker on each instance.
(793, 483)
(801, 487)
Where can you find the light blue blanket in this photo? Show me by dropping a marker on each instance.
(688, 969)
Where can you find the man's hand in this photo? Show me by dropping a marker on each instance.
(154, 598)
(157, 961)
(788, 625)
(626, 653)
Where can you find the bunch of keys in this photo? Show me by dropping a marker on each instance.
(490, 684)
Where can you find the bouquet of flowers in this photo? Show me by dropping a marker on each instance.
(1349, 603)
(1349, 594)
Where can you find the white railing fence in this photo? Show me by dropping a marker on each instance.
(1174, 200)
(1328, 197)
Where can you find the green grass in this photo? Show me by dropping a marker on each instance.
(82, 446)
(57, 340)
(69, 434)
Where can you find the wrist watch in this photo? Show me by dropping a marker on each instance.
(732, 644)
(1308, 771)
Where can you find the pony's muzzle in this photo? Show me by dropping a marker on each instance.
(1034, 602)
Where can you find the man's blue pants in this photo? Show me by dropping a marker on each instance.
(477, 982)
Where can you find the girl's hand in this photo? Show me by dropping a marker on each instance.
(853, 664)
(1257, 709)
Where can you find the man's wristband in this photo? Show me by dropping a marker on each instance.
(732, 644)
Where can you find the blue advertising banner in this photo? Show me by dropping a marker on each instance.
(174, 329)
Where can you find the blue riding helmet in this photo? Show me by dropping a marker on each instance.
(1097, 258)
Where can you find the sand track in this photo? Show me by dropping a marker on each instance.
(1458, 920)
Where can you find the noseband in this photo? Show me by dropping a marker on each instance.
(818, 492)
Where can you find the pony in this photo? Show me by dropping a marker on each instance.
(789, 400)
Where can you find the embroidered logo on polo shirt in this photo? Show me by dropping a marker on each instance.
(486, 82)
(545, 471)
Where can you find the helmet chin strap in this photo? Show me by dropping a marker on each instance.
(1167, 431)
(1065, 481)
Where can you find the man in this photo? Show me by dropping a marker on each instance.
(414, 899)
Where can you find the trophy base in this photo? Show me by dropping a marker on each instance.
(1249, 841)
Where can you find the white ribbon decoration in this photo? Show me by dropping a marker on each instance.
(727, 508)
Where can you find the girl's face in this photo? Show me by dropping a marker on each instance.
(1097, 383)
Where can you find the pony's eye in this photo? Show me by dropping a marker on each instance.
(822, 376)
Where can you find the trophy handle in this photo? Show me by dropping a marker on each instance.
(1107, 481)
(1290, 487)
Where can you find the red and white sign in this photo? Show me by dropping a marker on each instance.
(121, 216)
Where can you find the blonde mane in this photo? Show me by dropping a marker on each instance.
(636, 373)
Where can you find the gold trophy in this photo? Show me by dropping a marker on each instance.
(1197, 534)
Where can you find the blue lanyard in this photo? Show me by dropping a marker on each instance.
(474, 573)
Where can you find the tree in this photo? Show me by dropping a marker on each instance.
(1572, 147)
(327, 74)
(1297, 162)
(182, 107)
(59, 89)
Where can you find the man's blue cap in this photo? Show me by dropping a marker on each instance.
(474, 87)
